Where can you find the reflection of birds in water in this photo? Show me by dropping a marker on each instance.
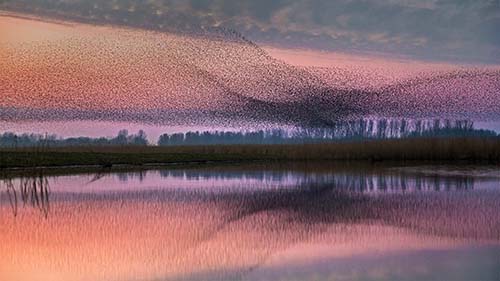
(33, 190)
(317, 206)
(314, 207)
(311, 207)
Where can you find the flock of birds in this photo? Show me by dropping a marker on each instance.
(216, 77)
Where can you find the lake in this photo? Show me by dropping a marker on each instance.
(310, 221)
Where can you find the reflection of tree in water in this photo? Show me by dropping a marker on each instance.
(125, 177)
(33, 190)
(363, 181)
(372, 183)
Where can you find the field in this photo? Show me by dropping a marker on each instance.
(418, 149)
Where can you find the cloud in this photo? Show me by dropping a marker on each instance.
(442, 29)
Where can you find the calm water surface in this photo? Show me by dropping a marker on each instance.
(258, 222)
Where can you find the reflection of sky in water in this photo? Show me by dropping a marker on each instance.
(256, 223)
(366, 181)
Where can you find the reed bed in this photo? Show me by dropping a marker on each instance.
(415, 149)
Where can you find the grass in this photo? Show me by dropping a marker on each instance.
(417, 149)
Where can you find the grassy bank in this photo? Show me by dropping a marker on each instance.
(418, 149)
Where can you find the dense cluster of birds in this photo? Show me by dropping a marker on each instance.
(120, 74)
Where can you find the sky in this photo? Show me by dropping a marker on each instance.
(170, 65)
(456, 30)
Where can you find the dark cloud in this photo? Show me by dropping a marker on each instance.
(442, 29)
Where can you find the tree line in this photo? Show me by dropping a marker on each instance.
(9, 139)
(362, 129)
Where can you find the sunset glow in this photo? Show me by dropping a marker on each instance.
(250, 140)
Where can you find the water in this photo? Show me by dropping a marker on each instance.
(256, 222)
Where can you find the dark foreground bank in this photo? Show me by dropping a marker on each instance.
(418, 149)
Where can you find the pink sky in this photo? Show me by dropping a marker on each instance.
(47, 64)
